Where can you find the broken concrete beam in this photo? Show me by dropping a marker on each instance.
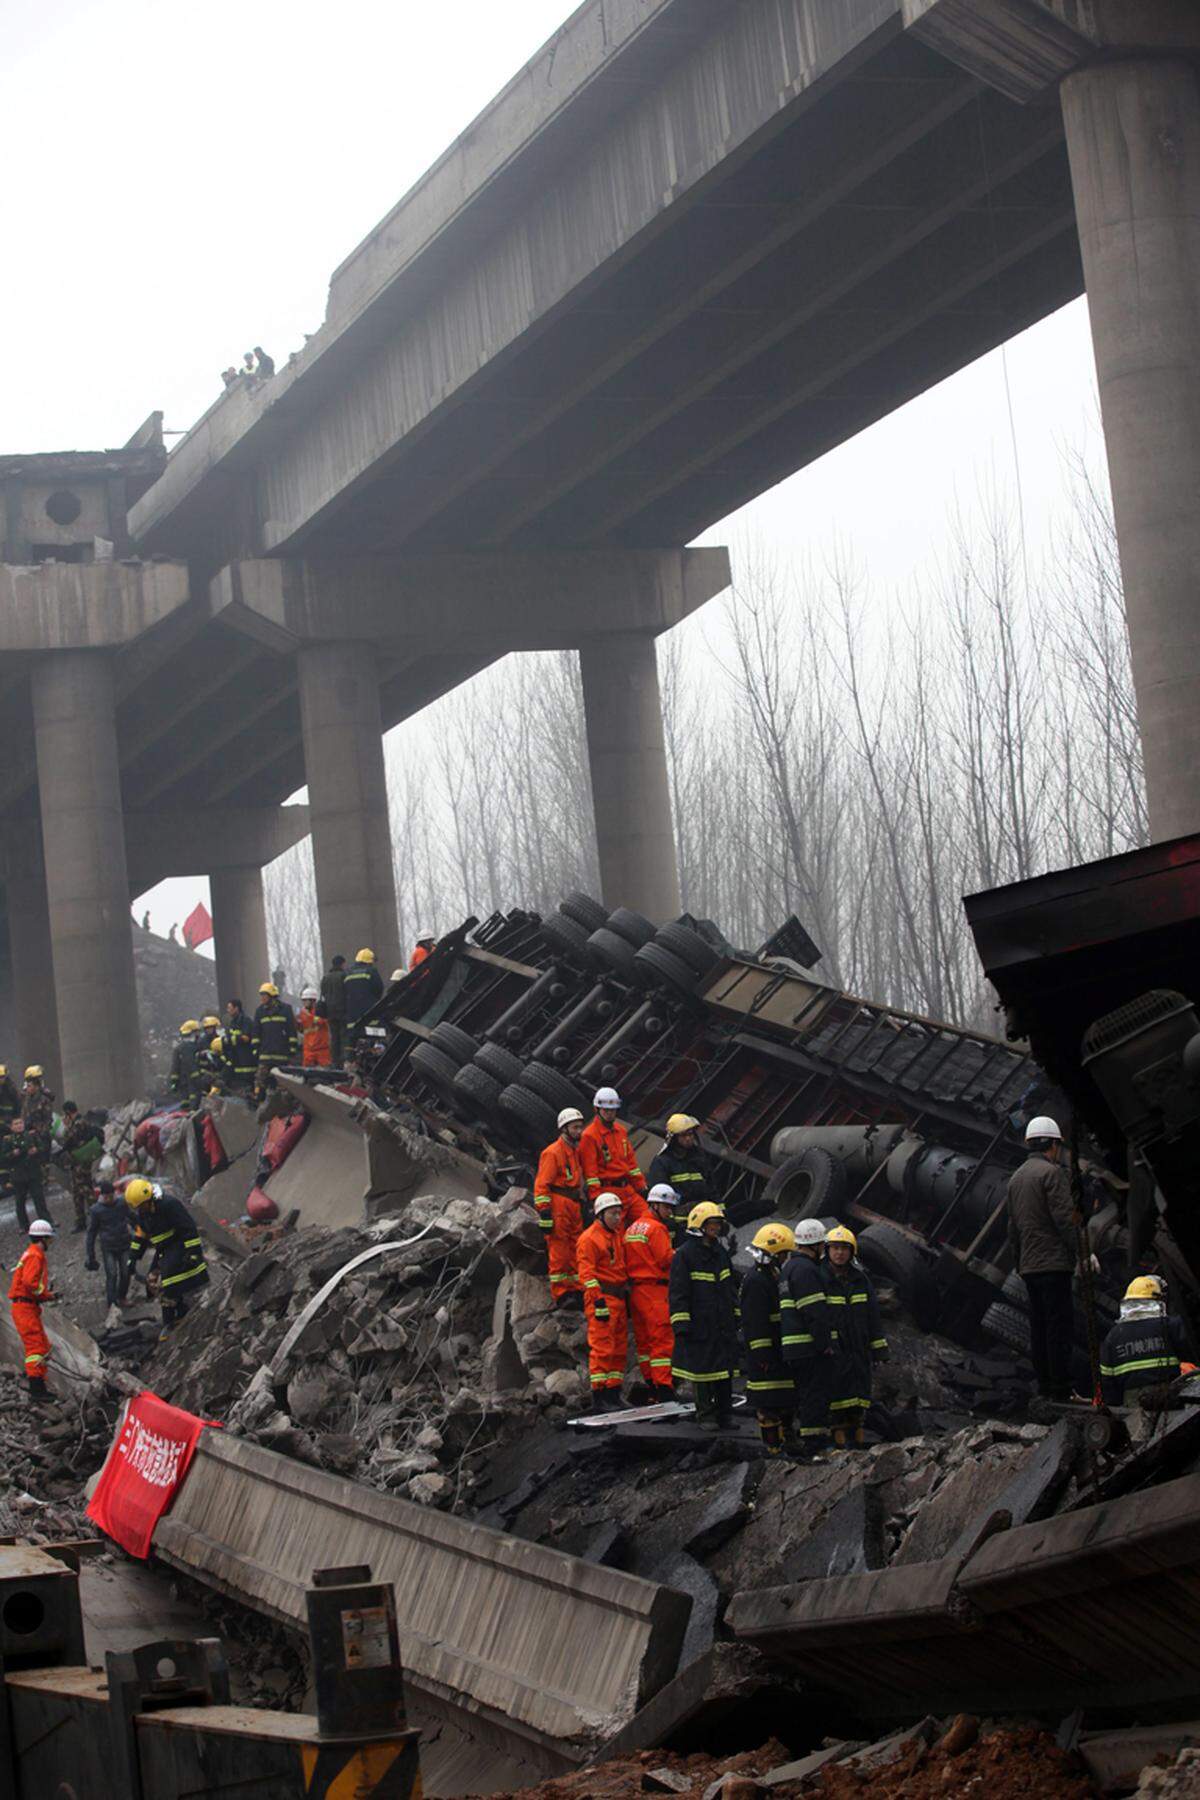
(848, 1543)
(1115, 1759)
(539, 1648)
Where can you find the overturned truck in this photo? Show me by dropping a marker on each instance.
(814, 1102)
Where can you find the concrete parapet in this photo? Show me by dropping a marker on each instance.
(86, 606)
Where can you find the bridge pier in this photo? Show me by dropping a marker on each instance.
(627, 755)
(239, 918)
(87, 886)
(35, 1017)
(1133, 134)
(347, 796)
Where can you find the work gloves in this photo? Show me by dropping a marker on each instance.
(93, 1265)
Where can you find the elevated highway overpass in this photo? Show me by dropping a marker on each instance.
(689, 248)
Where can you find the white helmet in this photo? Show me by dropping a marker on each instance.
(42, 1228)
(604, 1203)
(808, 1233)
(606, 1097)
(568, 1116)
(397, 974)
(1041, 1127)
(662, 1194)
(427, 937)
(309, 993)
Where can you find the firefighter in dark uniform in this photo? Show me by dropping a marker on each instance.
(858, 1335)
(237, 1047)
(186, 1079)
(163, 1224)
(10, 1099)
(807, 1338)
(82, 1145)
(1145, 1348)
(702, 1294)
(37, 1110)
(362, 988)
(683, 1165)
(275, 1037)
(20, 1171)
(769, 1383)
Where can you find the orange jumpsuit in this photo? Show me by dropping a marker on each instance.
(556, 1195)
(419, 955)
(601, 1254)
(30, 1285)
(314, 1036)
(648, 1255)
(611, 1167)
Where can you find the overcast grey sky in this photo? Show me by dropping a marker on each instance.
(183, 181)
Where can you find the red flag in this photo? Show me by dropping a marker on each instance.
(148, 1460)
(197, 927)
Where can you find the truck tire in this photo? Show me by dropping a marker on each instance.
(477, 1090)
(809, 1186)
(889, 1253)
(435, 1069)
(1015, 1292)
(535, 1123)
(583, 910)
(501, 1064)
(549, 1085)
(688, 946)
(458, 1045)
(631, 926)
(1007, 1326)
(613, 954)
(657, 968)
(565, 937)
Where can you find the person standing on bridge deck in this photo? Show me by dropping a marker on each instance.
(163, 1223)
(858, 1335)
(558, 1201)
(108, 1226)
(28, 1292)
(601, 1254)
(769, 1382)
(1043, 1239)
(186, 1078)
(608, 1159)
(21, 1171)
(648, 1253)
(333, 998)
(83, 1145)
(704, 1317)
(1146, 1347)
(807, 1339)
(683, 1164)
(276, 1039)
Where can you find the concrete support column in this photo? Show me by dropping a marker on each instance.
(87, 886)
(347, 799)
(35, 1017)
(239, 934)
(1133, 132)
(628, 759)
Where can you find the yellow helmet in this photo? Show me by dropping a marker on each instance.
(841, 1234)
(700, 1215)
(188, 1027)
(1144, 1287)
(367, 956)
(3, 1070)
(215, 1046)
(268, 988)
(210, 1022)
(775, 1239)
(34, 1072)
(680, 1122)
(138, 1192)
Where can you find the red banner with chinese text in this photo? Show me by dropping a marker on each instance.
(149, 1458)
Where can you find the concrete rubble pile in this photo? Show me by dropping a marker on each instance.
(45, 1460)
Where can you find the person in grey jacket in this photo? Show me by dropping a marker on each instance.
(1042, 1235)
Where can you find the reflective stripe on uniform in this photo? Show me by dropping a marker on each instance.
(716, 1375)
(1146, 1362)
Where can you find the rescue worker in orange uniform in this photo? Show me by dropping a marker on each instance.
(601, 1253)
(314, 1031)
(29, 1291)
(422, 950)
(558, 1197)
(608, 1160)
(648, 1255)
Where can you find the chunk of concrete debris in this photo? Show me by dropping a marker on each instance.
(431, 1490)
(566, 1385)
(850, 1541)
(734, 1787)
(962, 1733)
(666, 1781)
